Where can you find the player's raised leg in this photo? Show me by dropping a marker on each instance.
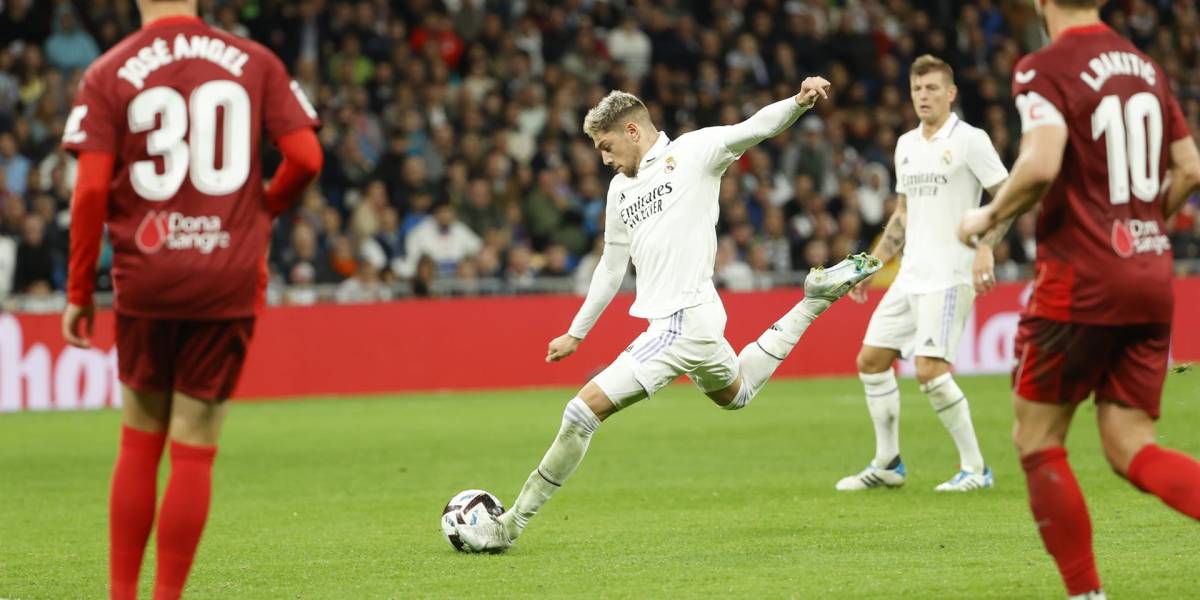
(134, 492)
(1054, 495)
(759, 359)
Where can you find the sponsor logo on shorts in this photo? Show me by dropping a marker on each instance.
(177, 231)
(1136, 237)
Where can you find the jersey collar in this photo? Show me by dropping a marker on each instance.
(173, 20)
(657, 149)
(1085, 29)
(946, 129)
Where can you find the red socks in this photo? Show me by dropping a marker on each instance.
(131, 508)
(181, 520)
(1172, 476)
(1062, 517)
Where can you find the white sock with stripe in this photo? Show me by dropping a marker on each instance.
(952, 408)
(759, 359)
(560, 461)
(883, 402)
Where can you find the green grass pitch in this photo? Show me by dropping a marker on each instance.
(340, 498)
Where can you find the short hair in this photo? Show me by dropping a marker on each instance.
(1078, 3)
(612, 111)
(928, 63)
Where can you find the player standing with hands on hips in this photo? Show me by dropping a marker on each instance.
(942, 167)
(168, 128)
(662, 213)
(1102, 135)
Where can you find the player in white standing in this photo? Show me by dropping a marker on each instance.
(941, 168)
(662, 213)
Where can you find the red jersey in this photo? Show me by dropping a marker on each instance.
(1103, 256)
(182, 108)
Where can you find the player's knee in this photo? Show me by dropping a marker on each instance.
(870, 361)
(1120, 447)
(597, 401)
(929, 369)
(579, 415)
(1035, 437)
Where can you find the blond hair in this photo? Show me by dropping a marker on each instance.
(614, 110)
(928, 63)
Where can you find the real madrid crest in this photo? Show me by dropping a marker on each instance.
(670, 164)
(947, 157)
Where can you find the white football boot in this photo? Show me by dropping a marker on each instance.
(873, 477)
(1092, 595)
(966, 481)
(837, 281)
(486, 535)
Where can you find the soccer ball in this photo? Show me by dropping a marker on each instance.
(467, 508)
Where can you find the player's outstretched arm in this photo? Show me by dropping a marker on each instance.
(606, 281)
(89, 206)
(1185, 174)
(1036, 168)
(889, 245)
(773, 119)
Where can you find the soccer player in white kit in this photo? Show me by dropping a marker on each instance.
(662, 213)
(941, 168)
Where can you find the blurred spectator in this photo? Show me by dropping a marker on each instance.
(70, 47)
(441, 238)
(730, 271)
(35, 258)
(16, 167)
(364, 286)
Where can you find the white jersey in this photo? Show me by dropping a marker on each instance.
(942, 178)
(668, 217)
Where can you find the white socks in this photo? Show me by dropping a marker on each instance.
(883, 400)
(951, 406)
(760, 358)
(564, 455)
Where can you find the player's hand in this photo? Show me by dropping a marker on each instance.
(811, 89)
(983, 272)
(73, 316)
(974, 224)
(562, 347)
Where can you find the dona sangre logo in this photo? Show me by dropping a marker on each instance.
(176, 231)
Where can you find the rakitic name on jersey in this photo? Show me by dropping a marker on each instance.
(646, 206)
(157, 54)
(1108, 64)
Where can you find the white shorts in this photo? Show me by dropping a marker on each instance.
(691, 341)
(921, 324)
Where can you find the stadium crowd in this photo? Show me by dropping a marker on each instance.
(452, 129)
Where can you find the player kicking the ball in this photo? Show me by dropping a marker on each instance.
(942, 167)
(168, 129)
(661, 213)
(1101, 132)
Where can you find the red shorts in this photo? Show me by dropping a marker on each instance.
(202, 359)
(1063, 363)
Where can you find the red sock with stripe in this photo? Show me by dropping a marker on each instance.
(181, 520)
(1062, 517)
(131, 508)
(1172, 476)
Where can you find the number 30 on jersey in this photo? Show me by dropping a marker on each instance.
(196, 157)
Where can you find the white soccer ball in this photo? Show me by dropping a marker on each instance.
(467, 508)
